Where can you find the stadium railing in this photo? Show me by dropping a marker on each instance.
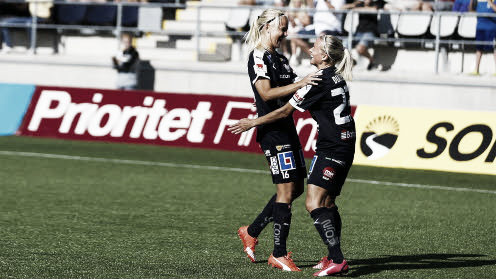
(424, 30)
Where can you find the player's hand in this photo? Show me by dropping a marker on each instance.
(311, 79)
(243, 125)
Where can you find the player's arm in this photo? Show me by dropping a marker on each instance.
(268, 93)
(246, 124)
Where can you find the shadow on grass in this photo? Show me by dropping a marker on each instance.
(361, 267)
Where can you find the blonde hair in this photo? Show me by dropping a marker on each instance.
(254, 37)
(333, 47)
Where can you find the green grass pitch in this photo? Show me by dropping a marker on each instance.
(64, 218)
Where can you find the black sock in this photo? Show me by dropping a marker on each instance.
(282, 222)
(325, 222)
(337, 217)
(264, 218)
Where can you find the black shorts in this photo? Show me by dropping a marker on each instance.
(286, 162)
(329, 173)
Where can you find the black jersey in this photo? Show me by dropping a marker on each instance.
(329, 104)
(274, 67)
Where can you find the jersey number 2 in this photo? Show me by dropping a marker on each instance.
(340, 120)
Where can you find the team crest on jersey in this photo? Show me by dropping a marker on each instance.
(328, 173)
(274, 167)
(287, 67)
(286, 161)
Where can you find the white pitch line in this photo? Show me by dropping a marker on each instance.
(128, 162)
(175, 165)
(422, 186)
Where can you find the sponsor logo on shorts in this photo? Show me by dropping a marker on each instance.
(267, 153)
(342, 163)
(328, 173)
(274, 166)
(282, 147)
(286, 161)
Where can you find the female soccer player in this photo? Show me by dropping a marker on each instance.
(328, 103)
(272, 80)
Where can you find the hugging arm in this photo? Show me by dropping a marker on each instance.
(246, 124)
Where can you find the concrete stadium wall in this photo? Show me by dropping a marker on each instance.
(403, 86)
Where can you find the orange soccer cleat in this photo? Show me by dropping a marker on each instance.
(332, 268)
(285, 263)
(249, 242)
(321, 263)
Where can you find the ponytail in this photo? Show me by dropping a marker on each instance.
(254, 37)
(344, 67)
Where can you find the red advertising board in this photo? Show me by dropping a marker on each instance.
(148, 117)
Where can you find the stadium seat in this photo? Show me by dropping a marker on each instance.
(448, 25)
(101, 14)
(385, 26)
(467, 26)
(347, 23)
(70, 14)
(413, 25)
(238, 18)
(130, 16)
(44, 38)
(150, 19)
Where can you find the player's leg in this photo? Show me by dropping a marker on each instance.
(328, 223)
(325, 220)
(249, 234)
(263, 219)
(324, 185)
(289, 181)
(266, 216)
(280, 257)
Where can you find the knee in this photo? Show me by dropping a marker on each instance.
(311, 204)
(284, 195)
